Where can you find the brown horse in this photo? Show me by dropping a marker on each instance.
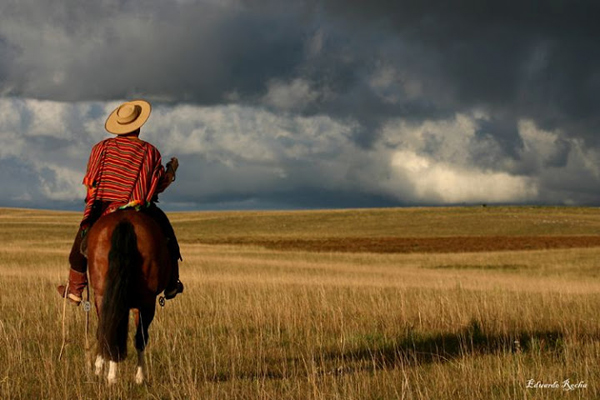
(128, 266)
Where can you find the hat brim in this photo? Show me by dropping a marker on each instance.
(117, 128)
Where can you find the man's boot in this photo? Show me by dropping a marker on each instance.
(77, 282)
(174, 287)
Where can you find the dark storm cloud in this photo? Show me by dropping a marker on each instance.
(306, 184)
(301, 197)
(7, 53)
(21, 189)
(513, 59)
(504, 131)
(188, 52)
(518, 59)
(380, 102)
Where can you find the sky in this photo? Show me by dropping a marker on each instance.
(303, 104)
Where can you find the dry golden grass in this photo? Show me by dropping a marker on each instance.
(270, 324)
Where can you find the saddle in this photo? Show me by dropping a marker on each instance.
(173, 249)
(98, 208)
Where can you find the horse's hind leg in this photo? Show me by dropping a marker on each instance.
(143, 318)
(99, 364)
(100, 361)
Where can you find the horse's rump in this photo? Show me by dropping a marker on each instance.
(154, 268)
(124, 261)
(128, 266)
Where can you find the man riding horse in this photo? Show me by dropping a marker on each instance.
(124, 172)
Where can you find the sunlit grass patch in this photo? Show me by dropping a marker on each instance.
(256, 322)
(488, 267)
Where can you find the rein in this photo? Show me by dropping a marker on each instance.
(64, 331)
(86, 307)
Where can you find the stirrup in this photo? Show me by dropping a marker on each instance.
(71, 296)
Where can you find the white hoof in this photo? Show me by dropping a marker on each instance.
(99, 364)
(141, 366)
(111, 378)
(139, 376)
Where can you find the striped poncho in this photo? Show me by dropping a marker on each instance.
(123, 172)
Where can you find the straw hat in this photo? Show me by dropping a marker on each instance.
(128, 117)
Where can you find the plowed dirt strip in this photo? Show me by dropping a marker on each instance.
(462, 244)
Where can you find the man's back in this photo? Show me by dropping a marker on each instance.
(124, 171)
(121, 166)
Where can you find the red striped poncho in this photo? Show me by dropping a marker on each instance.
(123, 172)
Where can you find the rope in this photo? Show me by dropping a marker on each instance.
(88, 355)
(87, 325)
(64, 330)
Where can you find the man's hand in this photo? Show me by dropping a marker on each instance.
(173, 164)
(172, 167)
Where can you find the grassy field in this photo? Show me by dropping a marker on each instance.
(423, 303)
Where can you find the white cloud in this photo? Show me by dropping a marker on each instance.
(248, 155)
(447, 140)
(244, 133)
(63, 184)
(50, 148)
(568, 170)
(438, 182)
(434, 162)
(48, 118)
(294, 95)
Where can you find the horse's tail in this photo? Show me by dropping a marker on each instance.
(114, 316)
